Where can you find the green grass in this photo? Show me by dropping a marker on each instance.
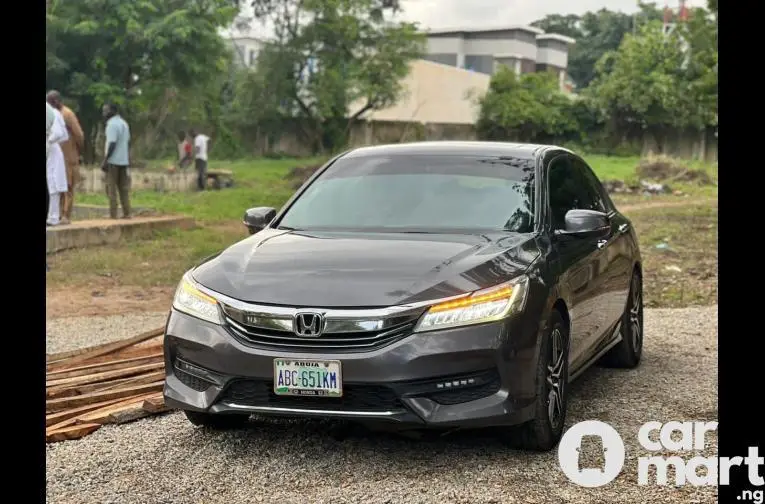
(623, 168)
(258, 182)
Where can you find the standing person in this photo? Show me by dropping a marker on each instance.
(50, 117)
(185, 150)
(56, 168)
(201, 143)
(72, 149)
(117, 161)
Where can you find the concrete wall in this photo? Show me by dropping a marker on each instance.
(509, 45)
(93, 180)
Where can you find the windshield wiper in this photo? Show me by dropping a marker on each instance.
(287, 228)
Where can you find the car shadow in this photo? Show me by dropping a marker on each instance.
(337, 437)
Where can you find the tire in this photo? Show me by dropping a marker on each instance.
(542, 433)
(222, 421)
(627, 353)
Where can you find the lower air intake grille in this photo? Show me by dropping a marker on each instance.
(192, 381)
(356, 397)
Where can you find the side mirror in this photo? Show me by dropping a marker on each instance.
(258, 218)
(586, 224)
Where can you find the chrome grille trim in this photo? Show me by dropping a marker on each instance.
(335, 341)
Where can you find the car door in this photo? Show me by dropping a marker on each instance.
(579, 261)
(617, 262)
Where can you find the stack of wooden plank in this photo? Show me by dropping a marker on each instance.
(111, 383)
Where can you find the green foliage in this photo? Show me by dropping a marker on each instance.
(139, 54)
(342, 60)
(529, 107)
(596, 33)
(657, 82)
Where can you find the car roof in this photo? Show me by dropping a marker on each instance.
(453, 148)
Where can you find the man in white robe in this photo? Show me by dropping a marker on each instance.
(56, 168)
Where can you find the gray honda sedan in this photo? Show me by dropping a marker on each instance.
(435, 285)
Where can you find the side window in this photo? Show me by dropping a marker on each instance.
(567, 191)
(595, 188)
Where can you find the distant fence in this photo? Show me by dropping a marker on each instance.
(366, 133)
(682, 144)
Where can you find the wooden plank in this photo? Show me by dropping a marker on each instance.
(55, 405)
(61, 357)
(101, 367)
(99, 415)
(55, 418)
(71, 353)
(102, 415)
(74, 390)
(108, 375)
(130, 414)
(155, 404)
(140, 380)
(141, 350)
(113, 347)
(71, 432)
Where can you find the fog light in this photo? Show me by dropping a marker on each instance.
(455, 383)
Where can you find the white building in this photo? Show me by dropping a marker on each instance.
(523, 48)
(243, 37)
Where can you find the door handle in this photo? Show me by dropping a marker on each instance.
(602, 243)
(623, 228)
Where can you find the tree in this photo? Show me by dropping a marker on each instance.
(596, 33)
(526, 108)
(566, 24)
(660, 82)
(139, 54)
(335, 60)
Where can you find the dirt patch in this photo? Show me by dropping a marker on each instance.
(679, 249)
(667, 204)
(299, 174)
(666, 169)
(103, 298)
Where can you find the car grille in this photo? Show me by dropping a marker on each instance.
(356, 397)
(336, 342)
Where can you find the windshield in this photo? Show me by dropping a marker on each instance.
(418, 194)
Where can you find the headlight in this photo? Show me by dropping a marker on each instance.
(482, 306)
(189, 299)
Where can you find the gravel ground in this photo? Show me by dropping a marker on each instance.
(66, 334)
(164, 459)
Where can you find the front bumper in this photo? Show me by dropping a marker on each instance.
(475, 376)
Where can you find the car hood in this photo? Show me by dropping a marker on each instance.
(345, 270)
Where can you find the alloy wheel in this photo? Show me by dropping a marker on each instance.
(556, 379)
(636, 316)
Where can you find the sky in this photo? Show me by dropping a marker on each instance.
(445, 14)
(439, 14)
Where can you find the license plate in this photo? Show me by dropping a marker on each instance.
(307, 378)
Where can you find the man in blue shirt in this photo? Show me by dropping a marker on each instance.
(117, 161)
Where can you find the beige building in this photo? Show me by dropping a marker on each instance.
(435, 94)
